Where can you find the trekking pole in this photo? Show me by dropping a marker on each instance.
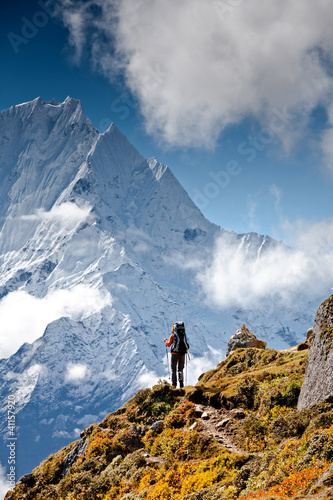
(166, 350)
(185, 369)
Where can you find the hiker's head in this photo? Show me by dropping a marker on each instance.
(173, 328)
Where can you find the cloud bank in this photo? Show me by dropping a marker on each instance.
(148, 379)
(198, 366)
(235, 276)
(4, 486)
(35, 313)
(197, 67)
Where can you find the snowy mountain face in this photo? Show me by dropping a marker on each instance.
(102, 244)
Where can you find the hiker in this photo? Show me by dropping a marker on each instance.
(179, 348)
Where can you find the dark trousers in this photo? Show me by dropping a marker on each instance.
(177, 365)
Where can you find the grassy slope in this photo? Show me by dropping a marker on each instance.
(281, 452)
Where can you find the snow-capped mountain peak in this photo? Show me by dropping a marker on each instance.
(99, 250)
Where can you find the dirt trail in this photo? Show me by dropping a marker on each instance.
(215, 423)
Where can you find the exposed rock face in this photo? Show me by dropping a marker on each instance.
(318, 379)
(244, 338)
(79, 449)
(326, 479)
(28, 480)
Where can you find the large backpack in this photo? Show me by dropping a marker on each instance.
(180, 344)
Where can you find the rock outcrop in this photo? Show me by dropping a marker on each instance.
(78, 451)
(244, 338)
(306, 345)
(318, 379)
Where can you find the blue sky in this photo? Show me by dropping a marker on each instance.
(234, 96)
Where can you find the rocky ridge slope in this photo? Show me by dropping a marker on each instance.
(235, 434)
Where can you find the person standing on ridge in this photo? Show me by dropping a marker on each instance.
(179, 348)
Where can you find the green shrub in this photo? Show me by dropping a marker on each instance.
(149, 405)
(291, 393)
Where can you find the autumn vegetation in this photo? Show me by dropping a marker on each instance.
(157, 446)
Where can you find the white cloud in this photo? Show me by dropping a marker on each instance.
(87, 420)
(23, 317)
(36, 370)
(66, 213)
(148, 379)
(316, 240)
(193, 368)
(76, 24)
(197, 366)
(76, 373)
(197, 67)
(235, 277)
(4, 486)
(62, 435)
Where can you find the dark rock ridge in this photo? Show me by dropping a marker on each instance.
(318, 379)
(78, 451)
(244, 338)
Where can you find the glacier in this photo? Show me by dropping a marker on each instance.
(104, 247)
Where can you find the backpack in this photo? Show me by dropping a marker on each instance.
(180, 344)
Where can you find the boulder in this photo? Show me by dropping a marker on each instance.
(222, 423)
(306, 345)
(157, 425)
(309, 335)
(244, 338)
(198, 411)
(318, 379)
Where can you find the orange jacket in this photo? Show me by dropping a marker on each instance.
(169, 342)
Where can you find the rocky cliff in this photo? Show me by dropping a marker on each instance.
(318, 379)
